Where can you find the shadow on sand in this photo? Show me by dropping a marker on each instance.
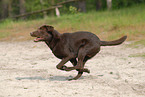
(51, 78)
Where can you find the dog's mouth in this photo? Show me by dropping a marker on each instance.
(38, 39)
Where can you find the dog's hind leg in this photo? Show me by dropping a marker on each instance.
(74, 62)
(80, 72)
(78, 76)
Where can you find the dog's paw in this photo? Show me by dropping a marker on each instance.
(63, 68)
(70, 78)
(88, 71)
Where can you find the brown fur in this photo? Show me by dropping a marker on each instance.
(70, 46)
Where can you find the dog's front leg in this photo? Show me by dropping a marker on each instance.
(61, 64)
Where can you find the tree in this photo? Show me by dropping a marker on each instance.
(44, 12)
(10, 8)
(4, 9)
(109, 4)
(52, 11)
(98, 4)
(22, 7)
(82, 5)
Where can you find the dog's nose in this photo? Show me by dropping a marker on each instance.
(31, 33)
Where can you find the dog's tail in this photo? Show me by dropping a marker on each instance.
(115, 42)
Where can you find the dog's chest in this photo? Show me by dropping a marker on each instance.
(59, 51)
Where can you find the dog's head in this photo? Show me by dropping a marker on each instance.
(44, 33)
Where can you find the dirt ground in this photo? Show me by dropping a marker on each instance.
(28, 69)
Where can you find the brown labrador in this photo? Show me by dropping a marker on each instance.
(70, 46)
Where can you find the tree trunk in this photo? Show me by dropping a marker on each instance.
(109, 4)
(10, 8)
(98, 4)
(22, 7)
(82, 5)
(4, 9)
(44, 12)
(52, 4)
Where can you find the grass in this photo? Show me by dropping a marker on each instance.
(107, 25)
(138, 55)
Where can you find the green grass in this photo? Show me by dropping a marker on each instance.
(107, 25)
(138, 55)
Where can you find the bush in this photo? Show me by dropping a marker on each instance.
(125, 3)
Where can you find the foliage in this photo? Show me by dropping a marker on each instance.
(69, 8)
(125, 3)
(73, 10)
(108, 25)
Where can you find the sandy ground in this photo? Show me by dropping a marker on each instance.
(28, 69)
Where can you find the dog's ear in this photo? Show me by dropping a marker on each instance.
(49, 28)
